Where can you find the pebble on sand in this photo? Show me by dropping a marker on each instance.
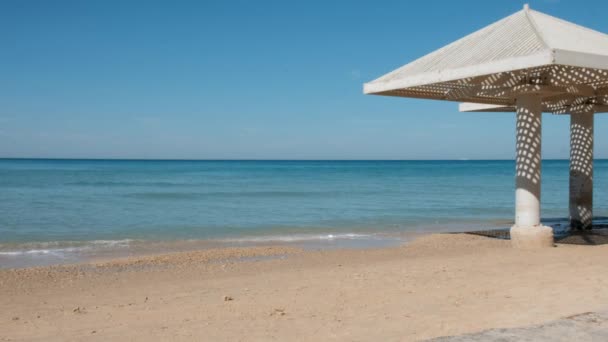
(280, 312)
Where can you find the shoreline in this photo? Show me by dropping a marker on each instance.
(41, 254)
(49, 253)
(437, 285)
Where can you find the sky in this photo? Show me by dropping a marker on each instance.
(248, 80)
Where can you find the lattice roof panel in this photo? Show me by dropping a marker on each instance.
(526, 52)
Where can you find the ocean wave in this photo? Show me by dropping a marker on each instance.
(56, 251)
(299, 238)
(244, 194)
(60, 248)
(126, 183)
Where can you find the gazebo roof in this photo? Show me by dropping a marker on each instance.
(526, 52)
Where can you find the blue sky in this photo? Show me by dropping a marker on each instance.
(247, 80)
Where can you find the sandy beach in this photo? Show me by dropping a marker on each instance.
(439, 285)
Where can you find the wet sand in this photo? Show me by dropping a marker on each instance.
(438, 285)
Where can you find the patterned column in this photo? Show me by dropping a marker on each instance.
(528, 162)
(581, 167)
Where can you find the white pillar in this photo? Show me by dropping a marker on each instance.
(581, 168)
(527, 231)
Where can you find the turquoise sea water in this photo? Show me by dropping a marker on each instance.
(57, 207)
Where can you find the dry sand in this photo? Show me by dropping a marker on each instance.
(436, 286)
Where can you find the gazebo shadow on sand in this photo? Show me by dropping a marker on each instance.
(563, 233)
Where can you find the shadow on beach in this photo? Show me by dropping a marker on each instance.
(564, 234)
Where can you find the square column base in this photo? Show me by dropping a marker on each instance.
(531, 237)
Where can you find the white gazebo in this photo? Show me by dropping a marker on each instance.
(527, 63)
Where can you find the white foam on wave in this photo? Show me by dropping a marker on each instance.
(299, 238)
(56, 251)
(60, 248)
(112, 243)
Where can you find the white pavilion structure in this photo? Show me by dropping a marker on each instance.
(527, 63)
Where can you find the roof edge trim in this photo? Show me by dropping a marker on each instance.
(580, 59)
(481, 107)
(509, 64)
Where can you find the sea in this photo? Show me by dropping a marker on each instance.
(62, 211)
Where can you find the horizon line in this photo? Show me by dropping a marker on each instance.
(274, 160)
